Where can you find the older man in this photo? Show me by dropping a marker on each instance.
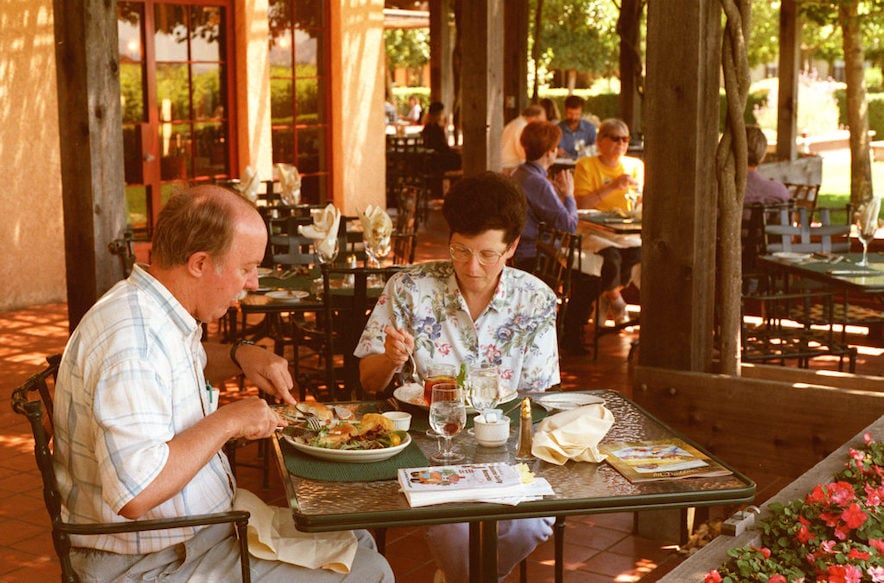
(138, 430)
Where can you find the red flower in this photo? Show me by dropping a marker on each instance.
(842, 493)
(765, 552)
(844, 574)
(817, 495)
(777, 579)
(858, 554)
(853, 516)
(877, 544)
(712, 577)
(804, 534)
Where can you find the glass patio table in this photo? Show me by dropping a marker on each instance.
(580, 488)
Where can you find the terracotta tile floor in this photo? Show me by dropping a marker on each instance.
(597, 548)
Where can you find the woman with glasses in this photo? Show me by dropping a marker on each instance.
(611, 181)
(472, 309)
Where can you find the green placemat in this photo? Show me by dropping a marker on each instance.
(307, 466)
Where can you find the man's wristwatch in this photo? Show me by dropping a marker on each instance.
(235, 347)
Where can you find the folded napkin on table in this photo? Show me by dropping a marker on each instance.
(572, 435)
(248, 184)
(376, 223)
(289, 184)
(324, 230)
(272, 536)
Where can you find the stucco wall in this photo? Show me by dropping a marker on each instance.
(31, 237)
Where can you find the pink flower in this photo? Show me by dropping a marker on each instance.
(828, 546)
(777, 579)
(867, 437)
(876, 573)
(842, 493)
(877, 544)
(765, 552)
(712, 577)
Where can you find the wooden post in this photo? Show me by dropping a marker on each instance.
(787, 95)
(482, 75)
(681, 133)
(515, 70)
(441, 83)
(90, 131)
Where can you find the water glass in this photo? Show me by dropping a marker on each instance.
(448, 416)
(483, 388)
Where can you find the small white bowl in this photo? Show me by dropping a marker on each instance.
(401, 420)
(491, 434)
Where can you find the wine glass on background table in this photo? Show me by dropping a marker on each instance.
(377, 246)
(448, 416)
(866, 220)
(325, 250)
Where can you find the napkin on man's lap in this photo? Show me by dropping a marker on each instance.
(572, 435)
(272, 536)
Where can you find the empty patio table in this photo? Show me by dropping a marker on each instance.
(350, 501)
(839, 271)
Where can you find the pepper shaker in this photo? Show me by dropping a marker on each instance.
(526, 435)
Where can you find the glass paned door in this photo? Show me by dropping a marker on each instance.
(299, 74)
(175, 75)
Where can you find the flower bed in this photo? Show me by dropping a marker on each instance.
(826, 526)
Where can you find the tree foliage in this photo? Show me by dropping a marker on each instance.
(581, 35)
(408, 48)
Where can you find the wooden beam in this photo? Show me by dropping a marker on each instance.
(678, 231)
(787, 95)
(482, 84)
(515, 55)
(91, 137)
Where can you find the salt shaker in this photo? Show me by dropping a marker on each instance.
(526, 435)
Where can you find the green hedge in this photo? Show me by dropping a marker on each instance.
(876, 111)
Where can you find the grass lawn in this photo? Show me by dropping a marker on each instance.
(835, 188)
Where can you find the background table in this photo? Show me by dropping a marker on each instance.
(580, 488)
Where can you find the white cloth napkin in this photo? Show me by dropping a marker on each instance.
(272, 536)
(324, 230)
(248, 184)
(573, 435)
(289, 184)
(376, 223)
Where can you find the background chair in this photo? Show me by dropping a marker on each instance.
(42, 428)
(343, 319)
(803, 195)
(806, 230)
(558, 252)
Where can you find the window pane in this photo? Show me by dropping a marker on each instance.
(306, 52)
(283, 143)
(132, 164)
(136, 204)
(209, 149)
(171, 32)
(311, 148)
(129, 18)
(313, 189)
(173, 98)
(309, 13)
(308, 101)
(207, 91)
(176, 148)
(206, 27)
(132, 92)
(281, 108)
(281, 54)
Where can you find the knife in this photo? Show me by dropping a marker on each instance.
(853, 272)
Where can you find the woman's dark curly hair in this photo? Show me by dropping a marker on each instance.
(484, 202)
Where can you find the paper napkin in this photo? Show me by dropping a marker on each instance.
(289, 184)
(572, 435)
(272, 536)
(324, 230)
(248, 184)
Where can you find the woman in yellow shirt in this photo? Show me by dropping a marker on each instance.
(606, 182)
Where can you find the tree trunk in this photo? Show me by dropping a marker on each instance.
(731, 161)
(857, 108)
(631, 76)
(572, 80)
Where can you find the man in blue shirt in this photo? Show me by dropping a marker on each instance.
(577, 133)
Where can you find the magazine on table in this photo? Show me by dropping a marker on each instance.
(492, 482)
(663, 459)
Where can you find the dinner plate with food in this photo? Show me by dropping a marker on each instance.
(370, 439)
(413, 394)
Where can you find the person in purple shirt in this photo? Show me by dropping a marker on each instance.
(550, 202)
(758, 188)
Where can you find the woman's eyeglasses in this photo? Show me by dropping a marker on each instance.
(460, 254)
(621, 139)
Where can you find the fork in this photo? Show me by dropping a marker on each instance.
(313, 422)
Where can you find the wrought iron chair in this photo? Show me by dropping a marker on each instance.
(558, 252)
(42, 428)
(343, 318)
